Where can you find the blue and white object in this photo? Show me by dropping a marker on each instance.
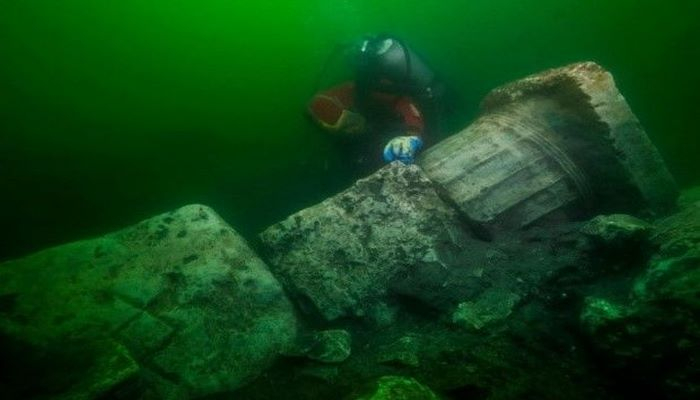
(403, 148)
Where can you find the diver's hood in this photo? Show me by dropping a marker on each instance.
(386, 63)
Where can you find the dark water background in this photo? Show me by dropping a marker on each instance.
(113, 111)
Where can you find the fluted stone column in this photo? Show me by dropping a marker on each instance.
(562, 142)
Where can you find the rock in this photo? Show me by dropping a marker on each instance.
(401, 352)
(399, 388)
(659, 323)
(674, 280)
(616, 230)
(560, 144)
(679, 233)
(390, 232)
(330, 346)
(490, 307)
(112, 369)
(182, 292)
(597, 313)
(674, 274)
(656, 328)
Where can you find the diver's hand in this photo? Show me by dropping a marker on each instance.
(402, 148)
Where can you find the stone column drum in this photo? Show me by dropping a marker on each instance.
(559, 143)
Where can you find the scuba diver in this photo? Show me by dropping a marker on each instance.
(393, 103)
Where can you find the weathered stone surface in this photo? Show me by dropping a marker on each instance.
(598, 312)
(330, 346)
(403, 351)
(679, 233)
(617, 230)
(657, 323)
(347, 253)
(525, 290)
(399, 388)
(492, 306)
(522, 293)
(111, 369)
(552, 144)
(182, 292)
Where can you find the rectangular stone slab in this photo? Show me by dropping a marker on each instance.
(344, 255)
(182, 292)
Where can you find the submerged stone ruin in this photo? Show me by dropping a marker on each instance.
(538, 253)
(176, 306)
(563, 142)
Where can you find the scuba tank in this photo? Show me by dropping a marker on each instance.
(387, 65)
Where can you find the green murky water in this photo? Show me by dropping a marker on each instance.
(113, 111)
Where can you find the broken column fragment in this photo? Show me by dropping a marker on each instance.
(564, 142)
(180, 294)
(343, 255)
